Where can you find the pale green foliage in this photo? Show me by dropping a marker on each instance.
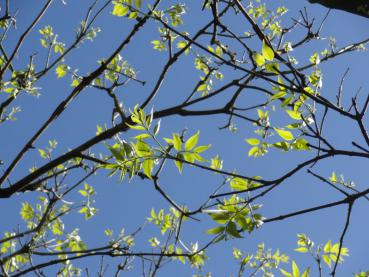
(282, 118)
(235, 216)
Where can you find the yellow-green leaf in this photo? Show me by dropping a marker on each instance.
(306, 273)
(201, 148)
(301, 249)
(179, 164)
(177, 143)
(148, 166)
(327, 260)
(119, 9)
(27, 211)
(253, 141)
(278, 95)
(286, 135)
(216, 230)
(259, 59)
(295, 270)
(192, 141)
(61, 70)
(328, 246)
(253, 151)
(294, 114)
(58, 228)
(268, 52)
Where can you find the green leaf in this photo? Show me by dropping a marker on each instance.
(199, 158)
(142, 136)
(286, 135)
(148, 166)
(259, 59)
(177, 143)
(142, 148)
(136, 127)
(202, 87)
(117, 153)
(294, 114)
(273, 68)
(201, 148)
(253, 151)
(83, 192)
(58, 228)
(278, 95)
(300, 144)
(232, 230)
(301, 249)
(253, 141)
(216, 230)
(333, 177)
(27, 212)
(119, 9)
(281, 145)
(268, 52)
(179, 164)
(192, 141)
(306, 273)
(189, 157)
(75, 83)
(181, 44)
(61, 70)
(221, 217)
(327, 260)
(216, 163)
(328, 246)
(44, 43)
(295, 270)
(238, 184)
(219, 51)
(43, 153)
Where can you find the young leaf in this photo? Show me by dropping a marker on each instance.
(61, 70)
(327, 260)
(294, 114)
(148, 166)
(179, 164)
(268, 52)
(253, 151)
(278, 95)
(201, 148)
(306, 273)
(232, 230)
(177, 143)
(119, 10)
(215, 230)
(295, 269)
(27, 212)
(301, 249)
(192, 141)
(259, 59)
(286, 135)
(253, 141)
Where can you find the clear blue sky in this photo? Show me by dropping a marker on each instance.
(128, 204)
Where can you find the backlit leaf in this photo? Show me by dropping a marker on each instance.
(286, 135)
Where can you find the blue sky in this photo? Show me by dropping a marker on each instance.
(128, 204)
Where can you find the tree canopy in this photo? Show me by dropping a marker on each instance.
(194, 137)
